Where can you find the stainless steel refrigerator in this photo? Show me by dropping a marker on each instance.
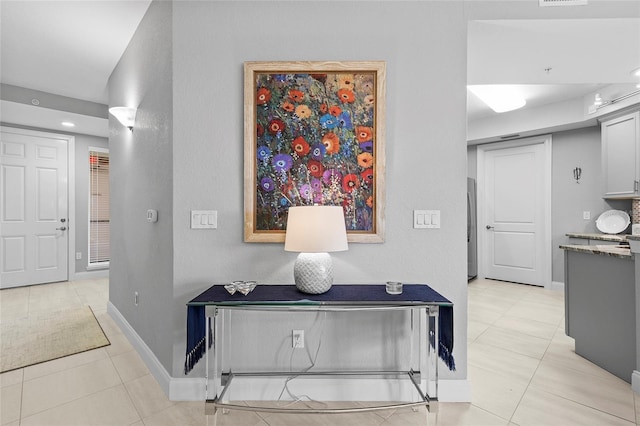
(472, 229)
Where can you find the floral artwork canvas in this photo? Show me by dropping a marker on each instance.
(313, 135)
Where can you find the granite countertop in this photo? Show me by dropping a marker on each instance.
(603, 250)
(633, 237)
(602, 237)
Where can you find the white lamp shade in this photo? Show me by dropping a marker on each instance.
(316, 229)
(125, 115)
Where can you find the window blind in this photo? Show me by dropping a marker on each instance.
(99, 219)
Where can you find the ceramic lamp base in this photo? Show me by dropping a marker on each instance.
(313, 272)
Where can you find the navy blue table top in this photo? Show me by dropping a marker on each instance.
(338, 294)
(352, 294)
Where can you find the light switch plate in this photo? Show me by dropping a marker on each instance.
(204, 219)
(426, 219)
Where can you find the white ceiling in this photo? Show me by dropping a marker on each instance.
(70, 48)
(551, 60)
(67, 48)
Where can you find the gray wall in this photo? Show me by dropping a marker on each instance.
(208, 148)
(82, 144)
(184, 69)
(141, 174)
(571, 149)
(200, 164)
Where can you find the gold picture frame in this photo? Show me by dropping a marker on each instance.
(314, 134)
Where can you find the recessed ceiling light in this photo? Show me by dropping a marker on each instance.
(499, 97)
(68, 124)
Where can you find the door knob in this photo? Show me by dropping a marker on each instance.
(489, 227)
(62, 228)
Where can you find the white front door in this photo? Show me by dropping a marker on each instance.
(514, 212)
(33, 208)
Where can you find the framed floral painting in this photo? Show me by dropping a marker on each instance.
(314, 135)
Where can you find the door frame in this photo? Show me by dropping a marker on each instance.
(545, 140)
(71, 189)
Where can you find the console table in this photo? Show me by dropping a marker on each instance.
(431, 318)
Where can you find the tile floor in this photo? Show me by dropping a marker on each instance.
(522, 369)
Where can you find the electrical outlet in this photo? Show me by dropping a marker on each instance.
(586, 215)
(297, 339)
(78, 255)
(135, 298)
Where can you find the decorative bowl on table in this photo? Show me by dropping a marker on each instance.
(242, 287)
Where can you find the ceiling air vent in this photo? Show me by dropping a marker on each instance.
(515, 135)
(546, 3)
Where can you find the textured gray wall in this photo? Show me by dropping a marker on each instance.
(141, 178)
(424, 46)
(187, 153)
(571, 149)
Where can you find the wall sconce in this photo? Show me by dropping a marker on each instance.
(577, 174)
(125, 115)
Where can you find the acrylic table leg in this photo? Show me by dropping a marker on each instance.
(211, 383)
(432, 357)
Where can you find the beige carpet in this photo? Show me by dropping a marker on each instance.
(46, 336)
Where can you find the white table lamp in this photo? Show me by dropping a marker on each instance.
(314, 231)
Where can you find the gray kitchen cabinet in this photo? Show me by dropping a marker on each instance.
(621, 156)
(600, 310)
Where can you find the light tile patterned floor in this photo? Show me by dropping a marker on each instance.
(522, 369)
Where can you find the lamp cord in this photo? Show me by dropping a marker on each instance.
(299, 398)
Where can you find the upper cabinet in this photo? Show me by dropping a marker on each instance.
(621, 156)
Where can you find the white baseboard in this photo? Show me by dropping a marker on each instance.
(193, 389)
(635, 381)
(454, 390)
(155, 367)
(557, 286)
(91, 275)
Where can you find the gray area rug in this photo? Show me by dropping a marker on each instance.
(45, 336)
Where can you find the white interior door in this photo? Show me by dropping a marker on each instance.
(34, 208)
(514, 222)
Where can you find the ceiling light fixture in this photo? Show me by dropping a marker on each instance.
(499, 97)
(125, 115)
(68, 124)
